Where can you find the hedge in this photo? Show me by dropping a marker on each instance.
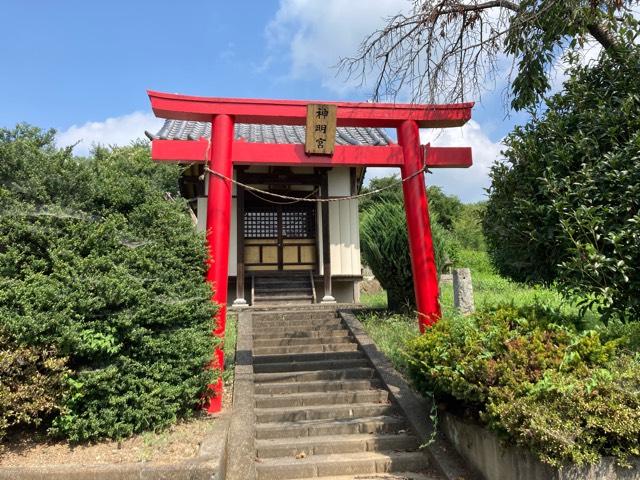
(532, 377)
(103, 276)
(563, 206)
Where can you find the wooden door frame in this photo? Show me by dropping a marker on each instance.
(274, 179)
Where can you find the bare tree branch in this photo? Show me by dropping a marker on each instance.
(447, 50)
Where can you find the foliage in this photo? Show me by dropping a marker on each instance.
(446, 208)
(97, 267)
(449, 51)
(467, 226)
(390, 332)
(377, 300)
(535, 379)
(491, 289)
(31, 384)
(385, 248)
(599, 211)
(540, 29)
(391, 191)
(565, 203)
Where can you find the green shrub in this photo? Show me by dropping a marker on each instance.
(97, 264)
(385, 248)
(467, 227)
(564, 205)
(444, 208)
(447, 209)
(599, 210)
(533, 378)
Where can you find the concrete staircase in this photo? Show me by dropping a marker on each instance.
(291, 289)
(320, 409)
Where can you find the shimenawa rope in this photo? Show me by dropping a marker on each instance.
(257, 191)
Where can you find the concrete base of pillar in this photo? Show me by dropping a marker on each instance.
(240, 303)
(328, 299)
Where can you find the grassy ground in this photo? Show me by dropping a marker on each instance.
(230, 337)
(391, 331)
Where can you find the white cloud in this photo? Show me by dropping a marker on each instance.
(317, 34)
(112, 131)
(466, 183)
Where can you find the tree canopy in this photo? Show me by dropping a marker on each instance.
(447, 50)
(565, 204)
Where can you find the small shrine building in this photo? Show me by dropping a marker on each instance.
(279, 251)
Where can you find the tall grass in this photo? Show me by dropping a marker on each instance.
(391, 331)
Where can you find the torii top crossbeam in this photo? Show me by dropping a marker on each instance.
(221, 152)
(293, 112)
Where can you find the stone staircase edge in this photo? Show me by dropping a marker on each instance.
(240, 450)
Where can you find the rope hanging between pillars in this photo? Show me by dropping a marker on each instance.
(257, 191)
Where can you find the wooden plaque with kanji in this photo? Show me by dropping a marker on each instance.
(321, 129)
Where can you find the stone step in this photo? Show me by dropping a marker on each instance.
(425, 475)
(305, 349)
(306, 357)
(280, 288)
(281, 468)
(292, 342)
(280, 303)
(301, 376)
(322, 348)
(313, 324)
(286, 333)
(273, 388)
(282, 292)
(280, 279)
(311, 365)
(344, 351)
(322, 412)
(321, 398)
(310, 428)
(293, 315)
(330, 444)
(282, 285)
(281, 296)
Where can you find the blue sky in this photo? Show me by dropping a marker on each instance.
(83, 67)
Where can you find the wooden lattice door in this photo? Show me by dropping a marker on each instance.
(280, 237)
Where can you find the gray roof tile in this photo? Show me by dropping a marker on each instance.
(190, 130)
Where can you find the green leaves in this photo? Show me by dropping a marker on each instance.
(385, 248)
(564, 204)
(96, 266)
(534, 379)
(541, 30)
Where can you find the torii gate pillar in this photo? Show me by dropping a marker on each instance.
(218, 225)
(423, 265)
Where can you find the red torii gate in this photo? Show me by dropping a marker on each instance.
(222, 152)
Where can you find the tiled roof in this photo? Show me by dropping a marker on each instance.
(189, 130)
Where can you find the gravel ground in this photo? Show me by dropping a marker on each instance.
(179, 442)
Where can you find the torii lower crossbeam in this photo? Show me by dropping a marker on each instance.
(221, 152)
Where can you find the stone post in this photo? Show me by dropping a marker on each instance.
(463, 291)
